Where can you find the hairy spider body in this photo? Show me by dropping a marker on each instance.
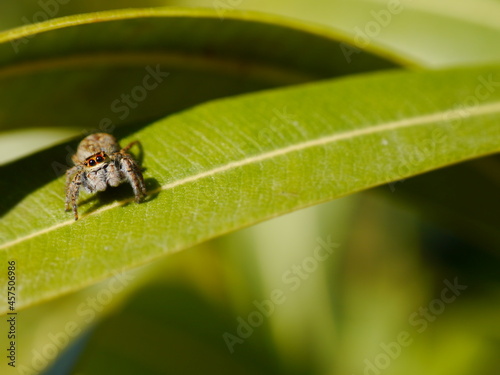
(100, 162)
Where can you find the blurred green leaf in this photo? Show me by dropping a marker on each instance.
(232, 163)
(427, 32)
(99, 70)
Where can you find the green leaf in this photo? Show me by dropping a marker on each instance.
(232, 163)
(91, 71)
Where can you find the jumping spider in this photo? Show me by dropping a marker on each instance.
(100, 162)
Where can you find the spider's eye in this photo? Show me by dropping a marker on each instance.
(99, 159)
(92, 162)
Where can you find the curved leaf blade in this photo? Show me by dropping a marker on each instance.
(97, 65)
(232, 163)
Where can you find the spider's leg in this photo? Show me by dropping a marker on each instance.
(69, 176)
(124, 151)
(133, 174)
(129, 146)
(73, 191)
